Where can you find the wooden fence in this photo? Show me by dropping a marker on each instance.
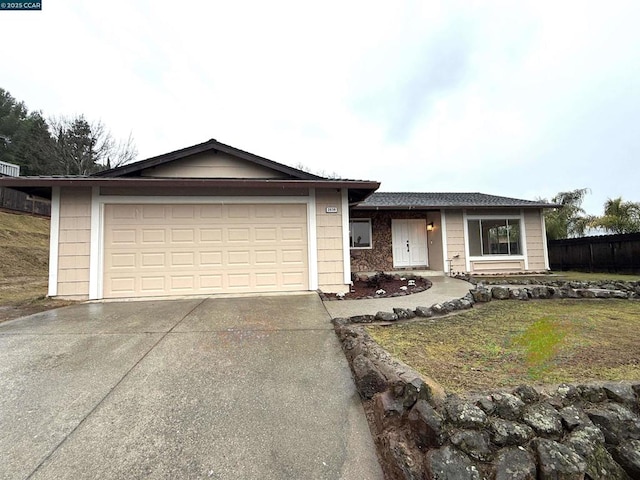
(11, 199)
(605, 253)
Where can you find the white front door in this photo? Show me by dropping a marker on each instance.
(409, 242)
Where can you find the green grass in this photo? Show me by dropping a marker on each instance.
(503, 344)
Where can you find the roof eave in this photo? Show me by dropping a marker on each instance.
(41, 186)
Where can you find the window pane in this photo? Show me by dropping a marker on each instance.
(494, 237)
(475, 243)
(514, 237)
(360, 233)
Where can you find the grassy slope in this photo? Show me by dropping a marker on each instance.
(24, 246)
(24, 259)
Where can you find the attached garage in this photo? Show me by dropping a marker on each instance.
(194, 249)
(204, 220)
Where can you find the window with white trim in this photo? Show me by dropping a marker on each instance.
(360, 233)
(493, 236)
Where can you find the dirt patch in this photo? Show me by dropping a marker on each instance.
(504, 344)
(382, 286)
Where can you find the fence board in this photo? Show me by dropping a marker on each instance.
(11, 199)
(605, 253)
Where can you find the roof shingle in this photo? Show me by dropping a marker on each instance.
(402, 200)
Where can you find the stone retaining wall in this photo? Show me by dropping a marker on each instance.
(569, 432)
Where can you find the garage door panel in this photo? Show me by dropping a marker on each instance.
(182, 235)
(210, 259)
(292, 234)
(124, 236)
(293, 257)
(182, 282)
(152, 283)
(210, 235)
(266, 257)
(153, 250)
(239, 235)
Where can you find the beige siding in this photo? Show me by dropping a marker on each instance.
(212, 165)
(329, 237)
(507, 212)
(74, 243)
(497, 266)
(455, 239)
(204, 192)
(535, 239)
(435, 242)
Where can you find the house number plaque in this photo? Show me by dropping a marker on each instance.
(332, 209)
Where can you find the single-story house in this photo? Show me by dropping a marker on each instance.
(211, 219)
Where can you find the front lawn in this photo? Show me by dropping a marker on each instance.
(507, 343)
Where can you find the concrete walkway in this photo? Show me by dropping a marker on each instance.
(251, 388)
(443, 289)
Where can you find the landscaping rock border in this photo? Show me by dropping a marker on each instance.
(570, 432)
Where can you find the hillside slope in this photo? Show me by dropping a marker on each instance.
(24, 259)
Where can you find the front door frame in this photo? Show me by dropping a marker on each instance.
(409, 234)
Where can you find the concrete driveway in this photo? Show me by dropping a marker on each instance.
(216, 388)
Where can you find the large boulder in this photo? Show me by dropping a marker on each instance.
(544, 419)
(425, 312)
(369, 380)
(500, 293)
(573, 417)
(404, 313)
(481, 295)
(557, 461)
(400, 461)
(465, 414)
(507, 406)
(447, 463)
(515, 463)
(386, 317)
(506, 432)
(588, 442)
(628, 456)
(426, 425)
(617, 423)
(474, 443)
(621, 393)
(387, 410)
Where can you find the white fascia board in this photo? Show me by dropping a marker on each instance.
(54, 242)
(312, 242)
(523, 239)
(346, 252)
(465, 230)
(96, 256)
(445, 253)
(545, 248)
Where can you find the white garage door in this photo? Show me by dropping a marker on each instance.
(155, 250)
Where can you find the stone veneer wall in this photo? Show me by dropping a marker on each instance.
(380, 257)
(568, 432)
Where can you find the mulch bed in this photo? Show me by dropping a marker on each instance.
(390, 284)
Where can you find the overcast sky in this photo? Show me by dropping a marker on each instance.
(512, 98)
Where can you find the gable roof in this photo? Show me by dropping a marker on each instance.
(411, 200)
(130, 176)
(134, 169)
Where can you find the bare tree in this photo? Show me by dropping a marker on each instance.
(82, 148)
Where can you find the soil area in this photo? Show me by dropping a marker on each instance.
(382, 286)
